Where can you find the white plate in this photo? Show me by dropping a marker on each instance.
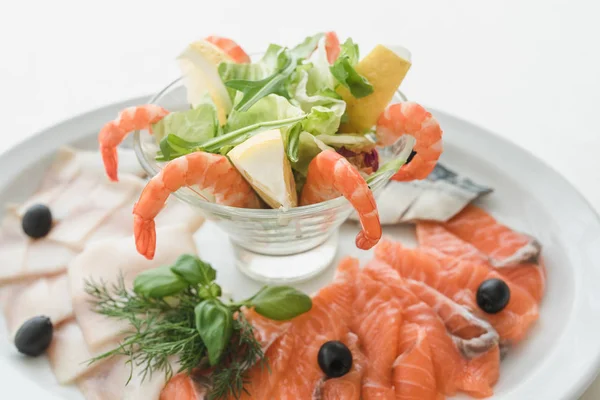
(562, 353)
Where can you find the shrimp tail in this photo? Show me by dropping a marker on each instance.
(145, 236)
(364, 242)
(329, 176)
(110, 158)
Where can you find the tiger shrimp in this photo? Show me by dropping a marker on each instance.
(212, 173)
(114, 132)
(331, 175)
(231, 48)
(412, 119)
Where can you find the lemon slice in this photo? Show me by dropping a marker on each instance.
(198, 64)
(262, 161)
(385, 68)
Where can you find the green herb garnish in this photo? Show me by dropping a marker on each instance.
(344, 72)
(176, 311)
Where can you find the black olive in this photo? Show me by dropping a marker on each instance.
(493, 295)
(335, 359)
(37, 221)
(34, 336)
(411, 156)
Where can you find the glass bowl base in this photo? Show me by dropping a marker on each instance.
(286, 269)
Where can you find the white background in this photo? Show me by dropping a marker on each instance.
(527, 70)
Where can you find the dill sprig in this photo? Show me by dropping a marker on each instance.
(229, 379)
(159, 330)
(175, 315)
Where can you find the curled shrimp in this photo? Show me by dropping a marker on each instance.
(412, 119)
(331, 175)
(113, 132)
(231, 48)
(210, 172)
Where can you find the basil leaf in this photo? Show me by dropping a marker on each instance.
(158, 283)
(306, 48)
(256, 90)
(280, 302)
(215, 290)
(292, 142)
(344, 72)
(193, 270)
(214, 323)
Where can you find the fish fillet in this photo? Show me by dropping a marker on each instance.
(105, 260)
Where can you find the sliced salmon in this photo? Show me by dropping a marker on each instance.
(377, 320)
(451, 366)
(347, 387)
(297, 375)
(530, 276)
(414, 376)
(503, 245)
(182, 387)
(460, 283)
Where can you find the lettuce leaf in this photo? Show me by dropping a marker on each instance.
(196, 125)
(308, 148)
(344, 72)
(353, 142)
(269, 108)
(254, 90)
(253, 71)
(307, 47)
(325, 109)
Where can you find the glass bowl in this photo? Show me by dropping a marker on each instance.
(272, 246)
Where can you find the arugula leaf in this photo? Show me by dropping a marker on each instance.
(307, 47)
(292, 142)
(256, 90)
(214, 322)
(174, 146)
(344, 72)
(197, 124)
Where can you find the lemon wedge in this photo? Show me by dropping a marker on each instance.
(385, 68)
(198, 64)
(262, 161)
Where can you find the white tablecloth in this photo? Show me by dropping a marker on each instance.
(528, 70)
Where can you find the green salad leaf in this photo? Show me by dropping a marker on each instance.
(256, 71)
(159, 282)
(324, 108)
(280, 303)
(254, 90)
(214, 322)
(193, 270)
(308, 148)
(344, 72)
(307, 47)
(197, 124)
(353, 142)
(270, 108)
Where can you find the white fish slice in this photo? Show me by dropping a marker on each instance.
(68, 353)
(438, 198)
(24, 258)
(104, 261)
(89, 206)
(45, 296)
(120, 222)
(108, 382)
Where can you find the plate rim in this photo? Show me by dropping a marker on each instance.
(43, 142)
